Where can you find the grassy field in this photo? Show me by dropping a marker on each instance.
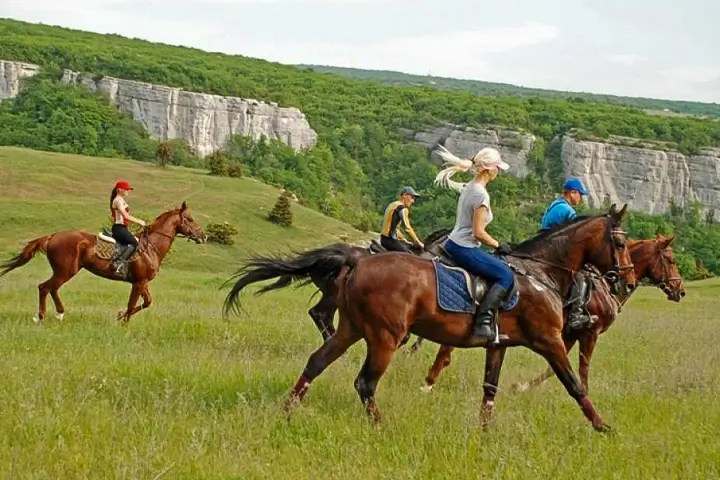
(182, 393)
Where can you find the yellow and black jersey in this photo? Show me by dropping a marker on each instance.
(396, 214)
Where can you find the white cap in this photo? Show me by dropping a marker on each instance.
(489, 158)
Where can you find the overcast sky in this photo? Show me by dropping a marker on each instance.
(652, 48)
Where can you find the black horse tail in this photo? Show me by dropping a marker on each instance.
(321, 263)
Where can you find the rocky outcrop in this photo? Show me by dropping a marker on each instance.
(204, 121)
(12, 75)
(647, 179)
(465, 142)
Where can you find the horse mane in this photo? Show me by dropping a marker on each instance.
(434, 236)
(529, 245)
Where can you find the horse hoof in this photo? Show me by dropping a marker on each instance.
(426, 388)
(59, 317)
(603, 428)
(36, 319)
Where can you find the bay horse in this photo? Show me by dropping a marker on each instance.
(383, 297)
(322, 313)
(71, 250)
(653, 260)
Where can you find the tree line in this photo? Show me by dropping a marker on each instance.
(361, 159)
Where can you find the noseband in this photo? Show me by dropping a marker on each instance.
(666, 278)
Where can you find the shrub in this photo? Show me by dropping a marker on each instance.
(221, 233)
(281, 213)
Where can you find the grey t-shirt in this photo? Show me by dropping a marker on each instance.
(471, 197)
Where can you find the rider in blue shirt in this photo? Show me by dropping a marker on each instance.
(559, 211)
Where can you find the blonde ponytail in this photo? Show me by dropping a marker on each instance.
(453, 165)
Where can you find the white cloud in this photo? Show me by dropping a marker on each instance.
(627, 59)
(458, 53)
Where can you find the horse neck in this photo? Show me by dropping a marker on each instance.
(565, 261)
(161, 237)
(641, 255)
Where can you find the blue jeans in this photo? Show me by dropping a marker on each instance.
(478, 262)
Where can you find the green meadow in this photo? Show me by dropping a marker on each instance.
(181, 392)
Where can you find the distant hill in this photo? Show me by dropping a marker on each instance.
(651, 105)
(45, 192)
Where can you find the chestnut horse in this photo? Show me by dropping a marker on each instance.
(383, 297)
(69, 251)
(652, 259)
(323, 312)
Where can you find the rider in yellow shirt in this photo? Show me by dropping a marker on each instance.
(396, 215)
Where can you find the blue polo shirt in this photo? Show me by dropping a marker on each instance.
(559, 211)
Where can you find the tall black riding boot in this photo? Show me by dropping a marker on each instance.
(484, 327)
(122, 261)
(578, 317)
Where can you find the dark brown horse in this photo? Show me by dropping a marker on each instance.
(383, 297)
(652, 259)
(69, 251)
(261, 269)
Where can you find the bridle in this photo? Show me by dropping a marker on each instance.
(615, 275)
(183, 220)
(665, 278)
(662, 284)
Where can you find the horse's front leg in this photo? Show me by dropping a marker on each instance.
(537, 381)
(553, 350)
(494, 358)
(132, 308)
(587, 346)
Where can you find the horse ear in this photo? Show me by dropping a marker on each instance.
(183, 207)
(613, 209)
(669, 240)
(622, 211)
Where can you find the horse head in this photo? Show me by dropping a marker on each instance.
(609, 252)
(188, 227)
(664, 272)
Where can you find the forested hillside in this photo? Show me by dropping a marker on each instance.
(503, 89)
(361, 159)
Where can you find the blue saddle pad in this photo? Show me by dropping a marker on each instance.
(453, 291)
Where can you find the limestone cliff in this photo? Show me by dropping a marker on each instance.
(11, 76)
(465, 142)
(206, 122)
(646, 178)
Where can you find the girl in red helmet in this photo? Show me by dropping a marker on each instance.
(120, 211)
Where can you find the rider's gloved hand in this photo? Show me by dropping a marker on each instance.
(503, 249)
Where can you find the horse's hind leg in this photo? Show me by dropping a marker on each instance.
(553, 350)
(379, 354)
(51, 286)
(331, 350)
(442, 360)
(323, 314)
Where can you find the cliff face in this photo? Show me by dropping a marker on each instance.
(465, 142)
(206, 122)
(646, 178)
(11, 76)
